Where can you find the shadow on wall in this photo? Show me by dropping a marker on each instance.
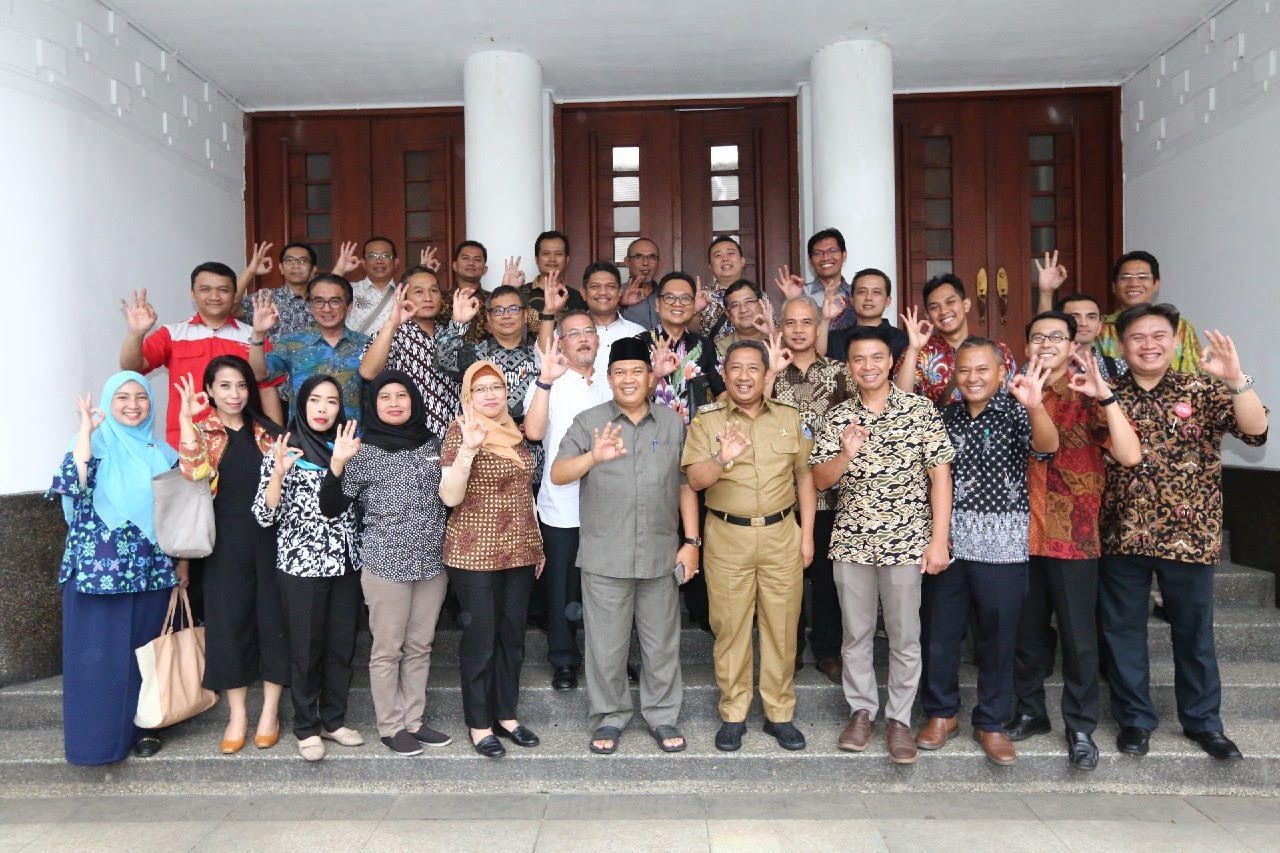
(32, 535)
(1251, 513)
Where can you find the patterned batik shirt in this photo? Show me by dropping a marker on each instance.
(814, 392)
(935, 363)
(519, 364)
(295, 313)
(309, 544)
(1186, 353)
(990, 508)
(299, 356)
(883, 515)
(1169, 506)
(413, 350)
(698, 375)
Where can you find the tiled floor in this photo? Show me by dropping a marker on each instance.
(493, 823)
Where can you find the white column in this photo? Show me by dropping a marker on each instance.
(502, 114)
(852, 144)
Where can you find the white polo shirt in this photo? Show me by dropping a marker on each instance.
(569, 395)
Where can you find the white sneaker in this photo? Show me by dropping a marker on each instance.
(311, 748)
(345, 736)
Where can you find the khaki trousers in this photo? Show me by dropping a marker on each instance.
(898, 590)
(402, 619)
(754, 572)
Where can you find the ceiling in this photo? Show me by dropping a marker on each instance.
(273, 54)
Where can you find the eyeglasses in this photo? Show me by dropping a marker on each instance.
(649, 257)
(742, 304)
(332, 302)
(300, 260)
(1052, 337)
(378, 256)
(504, 310)
(574, 334)
(488, 389)
(825, 253)
(678, 298)
(1134, 276)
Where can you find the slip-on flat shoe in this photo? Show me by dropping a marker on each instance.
(729, 738)
(520, 735)
(1217, 745)
(1133, 740)
(490, 747)
(787, 735)
(266, 741)
(231, 747)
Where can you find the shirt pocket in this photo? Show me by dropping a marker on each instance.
(788, 444)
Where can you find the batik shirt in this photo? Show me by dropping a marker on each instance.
(309, 544)
(519, 365)
(1169, 506)
(413, 351)
(299, 356)
(935, 363)
(295, 313)
(814, 392)
(1186, 353)
(699, 372)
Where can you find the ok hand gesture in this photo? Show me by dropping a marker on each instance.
(428, 258)
(138, 312)
(665, 362)
(347, 260)
(1051, 274)
(918, 330)
(779, 356)
(554, 294)
(512, 275)
(700, 298)
(193, 402)
(1028, 388)
(260, 262)
(607, 445)
(554, 364)
(788, 284)
(284, 455)
(1090, 382)
(474, 430)
(733, 441)
(833, 306)
(852, 439)
(763, 321)
(91, 417)
(465, 306)
(1220, 359)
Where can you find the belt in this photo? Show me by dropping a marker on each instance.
(752, 520)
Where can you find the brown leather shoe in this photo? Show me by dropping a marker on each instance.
(937, 731)
(856, 734)
(997, 746)
(902, 747)
(832, 669)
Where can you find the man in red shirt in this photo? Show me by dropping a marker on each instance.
(187, 347)
(1066, 493)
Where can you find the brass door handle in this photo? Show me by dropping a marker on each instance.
(980, 285)
(1002, 290)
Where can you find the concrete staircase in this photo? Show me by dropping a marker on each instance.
(1248, 638)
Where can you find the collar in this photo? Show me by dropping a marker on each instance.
(815, 284)
(1001, 404)
(766, 405)
(896, 398)
(197, 320)
(615, 412)
(316, 335)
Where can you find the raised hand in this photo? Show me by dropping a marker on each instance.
(918, 331)
(700, 298)
(833, 306)
(733, 441)
(260, 262)
(554, 364)
(1220, 359)
(554, 294)
(138, 312)
(852, 438)
(192, 401)
(1028, 388)
(512, 275)
(665, 362)
(474, 430)
(607, 444)
(428, 258)
(1050, 274)
(763, 321)
(631, 296)
(345, 444)
(404, 308)
(1088, 382)
(347, 260)
(779, 356)
(284, 455)
(91, 417)
(465, 306)
(265, 312)
(788, 284)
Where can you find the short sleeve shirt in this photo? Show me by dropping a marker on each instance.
(883, 514)
(935, 363)
(814, 392)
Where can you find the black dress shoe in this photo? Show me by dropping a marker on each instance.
(788, 736)
(520, 735)
(1133, 740)
(564, 678)
(729, 738)
(148, 745)
(1082, 752)
(1024, 726)
(490, 747)
(1216, 744)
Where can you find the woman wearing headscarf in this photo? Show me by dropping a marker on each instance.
(492, 551)
(243, 621)
(115, 581)
(393, 473)
(317, 558)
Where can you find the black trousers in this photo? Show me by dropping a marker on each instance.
(694, 591)
(1069, 590)
(495, 607)
(321, 615)
(821, 613)
(1124, 606)
(560, 591)
(994, 591)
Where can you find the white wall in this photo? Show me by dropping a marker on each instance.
(119, 168)
(1202, 185)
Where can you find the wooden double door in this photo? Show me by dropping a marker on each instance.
(680, 174)
(988, 183)
(328, 178)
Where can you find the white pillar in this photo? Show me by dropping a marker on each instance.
(502, 114)
(852, 144)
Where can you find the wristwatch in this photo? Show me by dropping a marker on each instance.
(1248, 383)
(695, 541)
(546, 318)
(727, 466)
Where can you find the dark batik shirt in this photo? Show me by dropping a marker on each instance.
(414, 352)
(814, 392)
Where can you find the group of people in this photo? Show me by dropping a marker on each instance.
(585, 457)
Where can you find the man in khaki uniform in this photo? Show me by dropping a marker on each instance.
(750, 454)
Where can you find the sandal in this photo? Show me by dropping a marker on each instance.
(613, 734)
(664, 733)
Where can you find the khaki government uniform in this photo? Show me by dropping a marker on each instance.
(754, 570)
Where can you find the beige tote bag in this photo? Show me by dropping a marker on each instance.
(172, 668)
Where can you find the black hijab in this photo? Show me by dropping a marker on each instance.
(409, 435)
(317, 447)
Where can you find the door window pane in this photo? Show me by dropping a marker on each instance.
(724, 218)
(1042, 179)
(620, 249)
(937, 181)
(1040, 146)
(938, 267)
(724, 187)
(417, 165)
(319, 167)
(417, 225)
(626, 158)
(318, 196)
(937, 241)
(937, 212)
(318, 226)
(724, 158)
(413, 250)
(1043, 239)
(937, 150)
(1042, 208)
(626, 189)
(417, 194)
(324, 255)
(626, 219)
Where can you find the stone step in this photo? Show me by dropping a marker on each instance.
(31, 764)
(1241, 586)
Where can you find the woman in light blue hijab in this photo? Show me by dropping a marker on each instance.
(115, 580)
